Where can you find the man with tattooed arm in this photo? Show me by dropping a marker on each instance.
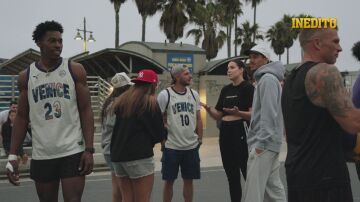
(316, 109)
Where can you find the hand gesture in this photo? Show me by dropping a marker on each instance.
(232, 111)
(207, 107)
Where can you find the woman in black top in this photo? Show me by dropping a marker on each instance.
(138, 127)
(233, 109)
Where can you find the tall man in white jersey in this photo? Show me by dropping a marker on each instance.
(51, 91)
(180, 106)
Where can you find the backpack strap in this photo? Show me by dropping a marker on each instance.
(167, 104)
(192, 93)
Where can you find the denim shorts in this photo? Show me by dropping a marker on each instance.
(134, 169)
(187, 160)
(107, 158)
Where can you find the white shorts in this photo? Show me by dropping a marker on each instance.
(134, 169)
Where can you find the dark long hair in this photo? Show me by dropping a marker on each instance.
(139, 98)
(241, 64)
(8, 121)
(116, 93)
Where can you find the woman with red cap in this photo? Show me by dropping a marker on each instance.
(138, 127)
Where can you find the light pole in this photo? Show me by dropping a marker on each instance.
(79, 37)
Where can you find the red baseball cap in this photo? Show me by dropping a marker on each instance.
(146, 75)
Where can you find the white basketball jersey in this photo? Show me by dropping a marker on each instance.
(54, 115)
(181, 120)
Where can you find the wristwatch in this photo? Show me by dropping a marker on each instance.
(91, 150)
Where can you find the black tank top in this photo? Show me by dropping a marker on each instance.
(315, 157)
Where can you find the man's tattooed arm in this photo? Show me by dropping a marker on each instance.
(325, 88)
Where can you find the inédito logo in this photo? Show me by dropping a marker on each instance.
(313, 23)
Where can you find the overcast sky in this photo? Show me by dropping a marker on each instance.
(18, 19)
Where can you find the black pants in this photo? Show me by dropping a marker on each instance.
(334, 194)
(234, 155)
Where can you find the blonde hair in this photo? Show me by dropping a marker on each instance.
(137, 99)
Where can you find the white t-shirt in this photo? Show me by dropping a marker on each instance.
(181, 117)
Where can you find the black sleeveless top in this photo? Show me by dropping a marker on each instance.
(315, 157)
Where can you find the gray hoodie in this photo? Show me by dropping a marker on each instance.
(266, 126)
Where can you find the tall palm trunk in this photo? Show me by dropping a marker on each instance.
(172, 37)
(229, 40)
(254, 22)
(287, 55)
(302, 54)
(143, 28)
(117, 20)
(235, 28)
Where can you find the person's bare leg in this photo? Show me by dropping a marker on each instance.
(127, 190)
(188, 190)
(116, 191)
(73, 188)
(143, 187)
(168, 190)
(47, 191)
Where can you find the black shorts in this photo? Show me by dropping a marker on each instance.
(54, 169)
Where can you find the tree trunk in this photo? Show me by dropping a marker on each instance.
(172, 38)
(229, 41)
(116, 29)
(287, 55)
(302, 54)
(143, 28)
(235, 28)
(279, 57)
(254, 22)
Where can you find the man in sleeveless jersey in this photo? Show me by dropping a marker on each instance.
(180, 106)
(317, 108)
(51, 91)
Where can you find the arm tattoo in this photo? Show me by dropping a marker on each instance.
(325, 88)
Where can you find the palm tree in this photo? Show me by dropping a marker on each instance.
(206, 18)
(238, 12)
(356, 50)
(290, 34)
(244, 36)
(117, 4)
(254, 3)
(231, 12)
(276, 35)
(147, 8)
(173, 19)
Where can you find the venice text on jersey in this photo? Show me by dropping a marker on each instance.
(50, 90)
(183, 107)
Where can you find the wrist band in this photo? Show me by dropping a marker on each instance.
(12, 157)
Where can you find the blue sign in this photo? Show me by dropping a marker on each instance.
(180, 59)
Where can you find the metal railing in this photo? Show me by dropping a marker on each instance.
(99, 91)
(8, 90)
